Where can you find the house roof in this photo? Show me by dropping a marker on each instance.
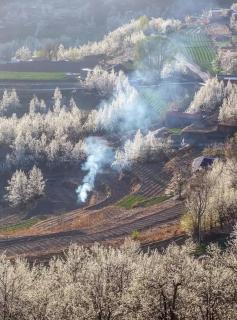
(227, 78)
(202, 163)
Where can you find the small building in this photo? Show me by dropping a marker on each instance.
(227, 78)
(202, 163)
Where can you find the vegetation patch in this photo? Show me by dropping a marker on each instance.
(155, 200)
(197, 47)
(175, 131)
(23, 225)
(153, 98)
(26, 76)
(135, 234)
(133, 201)
(200, 250)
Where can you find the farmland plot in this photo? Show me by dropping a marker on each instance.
(197, 48)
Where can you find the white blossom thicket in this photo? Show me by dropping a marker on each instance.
(17, 189)
(103, 81)
(57, 94)
(222, 204)
(212, 197)
(9, 103)
(227, 61)
(102, 283)
(121, 39)
(24, 187)
(228, 110)
(23, 54)
(126, 111)
(140, 149)
(52, 136)
(173, 67)
(37, 105)
(36, 183)
(164, 26)
(209, 97)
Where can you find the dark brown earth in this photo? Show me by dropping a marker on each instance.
(33, 245)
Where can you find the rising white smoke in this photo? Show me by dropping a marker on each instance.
(99, 154)
(126, 111)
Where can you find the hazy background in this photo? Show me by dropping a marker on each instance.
(74, 22)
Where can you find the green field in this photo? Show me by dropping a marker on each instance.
(197, 48)
(33, 76)
(175, 131)
(132, 201)
(153, 98)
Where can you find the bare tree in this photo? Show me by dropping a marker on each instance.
(197, 202)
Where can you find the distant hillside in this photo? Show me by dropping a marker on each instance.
(32, 23)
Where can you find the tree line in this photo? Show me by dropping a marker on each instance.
(215, 96)
(105, 283)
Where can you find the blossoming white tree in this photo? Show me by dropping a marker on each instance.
(212, 197)
(23, 54)
(103, 81)
(25, 187)
(228, 110)
(10, 103)
(140, 149)
(122, 283)
(36, 183)
(209, 97)
(17, 189)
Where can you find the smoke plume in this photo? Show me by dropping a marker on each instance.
(124, 112)
(99, 154)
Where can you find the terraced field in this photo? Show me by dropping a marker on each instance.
(43, 244)
(197, 48)
(153, 180)
(153, 98)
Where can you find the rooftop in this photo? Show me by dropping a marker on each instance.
(202, 163)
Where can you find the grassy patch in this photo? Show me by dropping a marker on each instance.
(26, 76)
(175, 131)
(155, 200)
(135, 234)
(154, 99)
(200, 250)
(23, 225)
(133, 201)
